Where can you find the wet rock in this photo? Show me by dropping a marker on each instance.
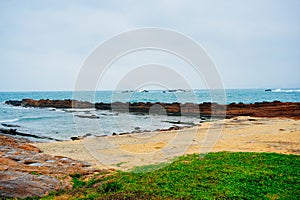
(125, 133)
(206, 109)
(179, 122)
(75, 138)
(265, 109)
(174, 128)
(10, 125)
(8, 131)
(88, 116)
(87, 135)
(14, 132)
(13, 102)
(46, 103)
(80, 137)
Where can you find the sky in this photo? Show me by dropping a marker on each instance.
(253, 44)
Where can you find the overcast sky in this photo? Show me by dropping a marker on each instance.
(254, 44)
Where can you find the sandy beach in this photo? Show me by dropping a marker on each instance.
(239, 134)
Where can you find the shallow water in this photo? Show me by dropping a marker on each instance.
(63, 124)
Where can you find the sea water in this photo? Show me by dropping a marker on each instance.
(63, 124)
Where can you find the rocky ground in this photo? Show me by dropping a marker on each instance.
(26, 171)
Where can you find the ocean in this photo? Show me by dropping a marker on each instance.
(62, 124)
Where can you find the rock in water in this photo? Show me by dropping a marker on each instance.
(205, 109)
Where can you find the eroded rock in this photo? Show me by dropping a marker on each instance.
(25, 171)
(20, 185)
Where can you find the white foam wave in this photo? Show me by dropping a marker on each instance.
(19, 107)
(283, 90)
(9, 120)
(80, 109)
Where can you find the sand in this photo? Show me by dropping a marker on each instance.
(240, 134)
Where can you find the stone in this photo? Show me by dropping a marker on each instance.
(26, 172)
(21, 185)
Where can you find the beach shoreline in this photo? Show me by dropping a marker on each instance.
(238, 134)
(272, 127)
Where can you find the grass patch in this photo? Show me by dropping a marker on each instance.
(35, 173)
(77, 181)
(220, 175)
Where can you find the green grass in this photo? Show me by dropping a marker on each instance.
(216, 176)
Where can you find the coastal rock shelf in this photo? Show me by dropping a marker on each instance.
(46, 103)
(22, 164)
(206, 109)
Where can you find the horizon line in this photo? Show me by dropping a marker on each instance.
(254, 88)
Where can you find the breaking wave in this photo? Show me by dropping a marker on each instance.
(9, 120)
(286, 90)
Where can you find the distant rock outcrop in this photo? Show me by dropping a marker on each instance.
(206, 109)
(44, 103)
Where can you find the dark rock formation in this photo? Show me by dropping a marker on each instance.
(14, 102)
(44, 103)
(10, 125)
(265, 109)
(206, 109)
(80, 137)
(14, 132)
(88, 116)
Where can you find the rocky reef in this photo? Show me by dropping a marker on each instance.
(14, 132)
(206, 109)
(265, 109)
(46, 103)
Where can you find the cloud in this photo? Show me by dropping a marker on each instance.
(252, 37)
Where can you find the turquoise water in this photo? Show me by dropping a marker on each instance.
(232, 95)
(63, 124)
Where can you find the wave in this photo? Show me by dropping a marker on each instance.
(9, 120)
(17, 107)
(36, 118)
(285, 90)
(79, 109)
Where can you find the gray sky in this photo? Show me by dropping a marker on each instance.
(43, 44)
